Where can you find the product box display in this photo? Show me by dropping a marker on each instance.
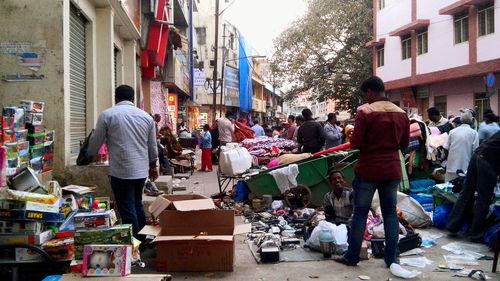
(35, 129)
(35, 119)
(10, 227)
(36, 139)
(21, 135)
(32, 106)
(30, 206)
(24, 254)
(106, 260)
(60, 248)
(95, 220)
(22, 215)
(8, 117)
(37, 164)
(50, 135)
(33, 239)
(8, 135)
(119, 234)
(180, 247)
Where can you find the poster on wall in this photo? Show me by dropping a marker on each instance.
(193, 118)
(203, 119)
(172, 106)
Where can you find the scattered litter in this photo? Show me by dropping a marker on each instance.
(458, 248)
(413, 252)
(364, 277)
(472, 273)
(420, 262)
(429, 240)
(455, 261)
(313, 277)
(398, 271)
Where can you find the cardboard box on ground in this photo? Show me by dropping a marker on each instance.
(193, 235)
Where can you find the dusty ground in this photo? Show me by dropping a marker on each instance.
(247, 269)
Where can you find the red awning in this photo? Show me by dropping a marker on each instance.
(460, 6)
(415, 25)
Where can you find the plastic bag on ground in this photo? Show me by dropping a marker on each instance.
(412, 210)
(420, 262)
(398, 271)
(339, 234)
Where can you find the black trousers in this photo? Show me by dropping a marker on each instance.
(481, 177)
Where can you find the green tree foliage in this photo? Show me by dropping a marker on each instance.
(325, 51)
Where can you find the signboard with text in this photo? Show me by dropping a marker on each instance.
(231, 86)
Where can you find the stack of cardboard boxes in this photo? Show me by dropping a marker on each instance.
(24, 137)
(193, 234)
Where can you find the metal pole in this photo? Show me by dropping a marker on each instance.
(191, 57)
(216, 57)
(223, 67)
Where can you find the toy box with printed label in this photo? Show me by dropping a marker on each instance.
(32, 106)
(23, 215)
(10, 227)
(106, 260)
(29, 206)
(33, 239)
(95, 219)
(24, 254)
(119, 234)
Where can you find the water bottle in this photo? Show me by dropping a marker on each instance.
(326, 243)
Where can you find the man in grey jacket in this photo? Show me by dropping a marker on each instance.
(130, 136)
(333, 133)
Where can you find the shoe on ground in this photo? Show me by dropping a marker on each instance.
(154, 193)
(343, 260)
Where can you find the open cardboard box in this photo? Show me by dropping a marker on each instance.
(193, 235)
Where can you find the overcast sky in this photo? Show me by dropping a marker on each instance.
(260, 21)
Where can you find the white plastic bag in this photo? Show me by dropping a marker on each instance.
(234, 160)
(313, 241)
(340, 237)
(412, 210)
(398, 271)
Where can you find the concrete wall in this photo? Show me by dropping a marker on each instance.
(488, 46)
(443, 52)
(37, 23)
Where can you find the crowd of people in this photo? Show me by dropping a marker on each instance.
(380, 131)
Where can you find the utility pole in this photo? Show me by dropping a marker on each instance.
(223, 68)
(191, 56)
(215, 61)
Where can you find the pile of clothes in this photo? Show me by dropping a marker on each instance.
(266, 146)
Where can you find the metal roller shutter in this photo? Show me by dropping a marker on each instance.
(77, 80)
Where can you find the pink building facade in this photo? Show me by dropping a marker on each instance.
(438, 53)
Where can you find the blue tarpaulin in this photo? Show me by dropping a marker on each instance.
(246, 90)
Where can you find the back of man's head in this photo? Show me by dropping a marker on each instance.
(291, 118)
(124, 93)
(307, 113)
(229, 115)
(374, 83)
(432, 111)
(332, 117)
(256, 122)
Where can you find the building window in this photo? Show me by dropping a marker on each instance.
(231, 41)
(212, 63)
(481, 102)
(422, 43)
(440, 104)
(406, 47)
(380, 56)
(381, 4)
(461, 29)
(486, 20)
(201, 33)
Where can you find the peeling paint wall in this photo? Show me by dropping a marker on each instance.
(39, 24)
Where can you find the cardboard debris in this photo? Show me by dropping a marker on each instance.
(193, 235)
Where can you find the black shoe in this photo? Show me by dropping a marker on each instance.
(343, 260)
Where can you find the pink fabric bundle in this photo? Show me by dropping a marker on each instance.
(415, 131)
(3, 166)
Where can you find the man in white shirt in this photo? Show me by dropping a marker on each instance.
(226, 129)
(130, 136)
(462, 141)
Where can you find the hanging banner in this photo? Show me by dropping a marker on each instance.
(231, 87)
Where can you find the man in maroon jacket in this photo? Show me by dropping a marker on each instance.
(381, 129)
